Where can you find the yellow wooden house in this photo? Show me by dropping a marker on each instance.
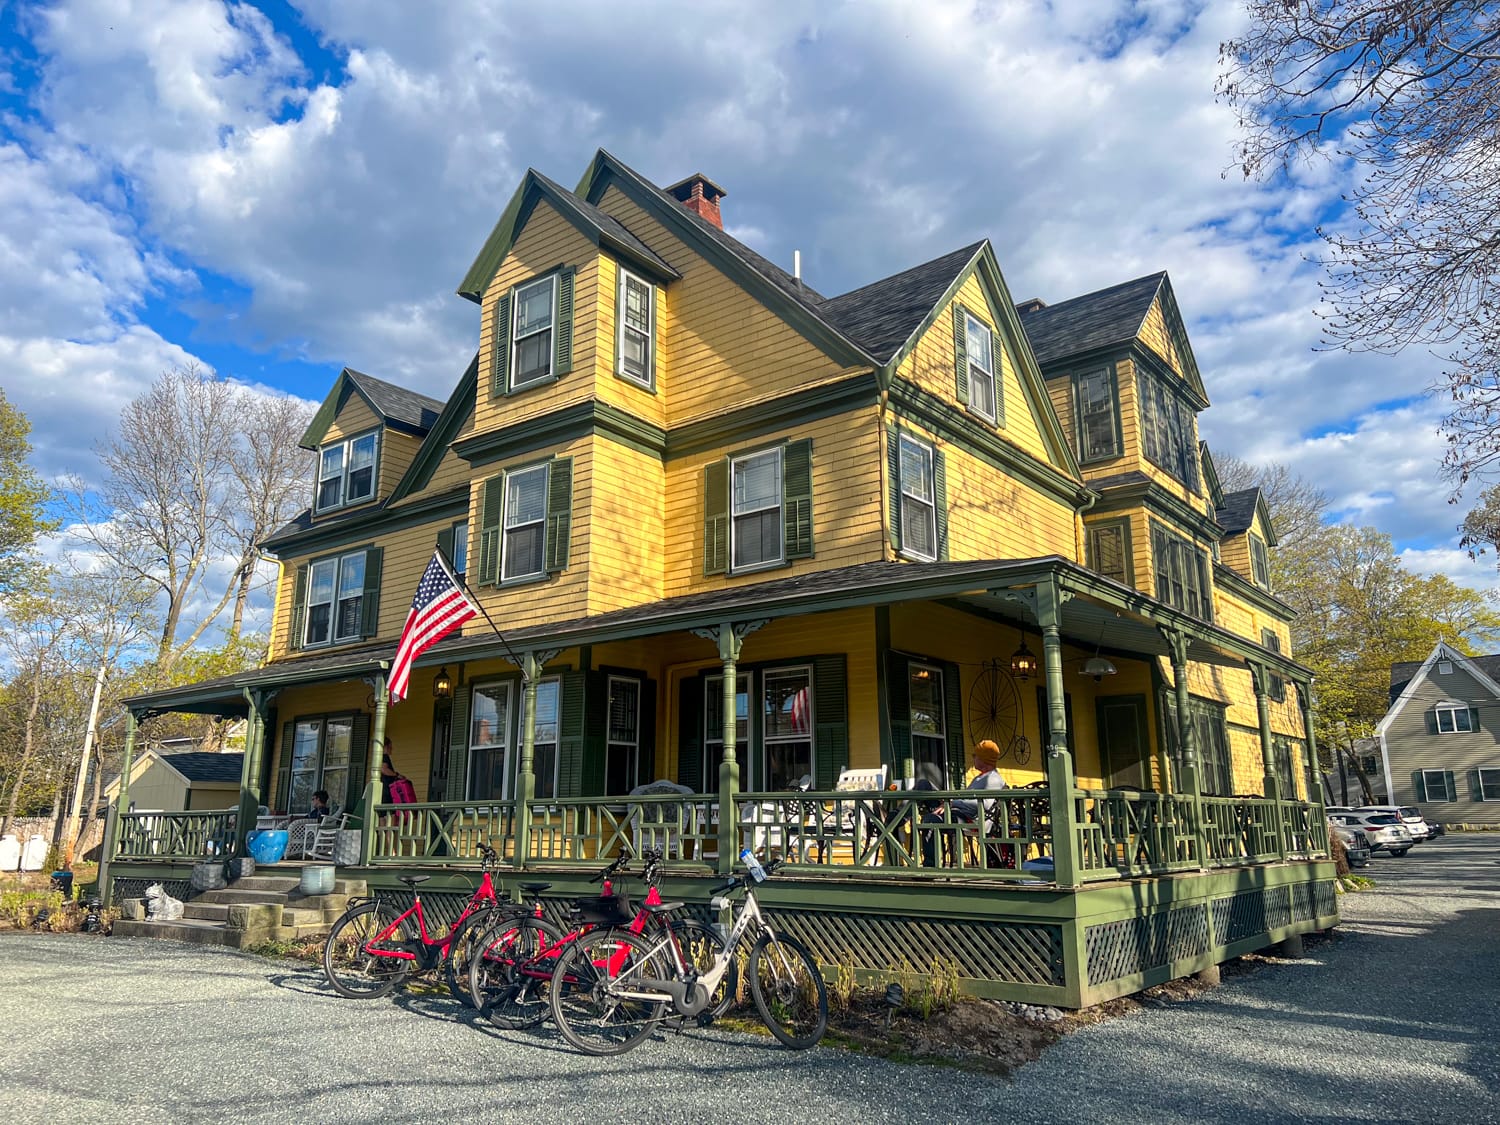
(902, 522)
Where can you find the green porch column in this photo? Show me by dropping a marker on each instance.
(371, 802)
(112, 819)
(731, 641)
(1310, 765)
(1259, 680)
(255, 745)
(531, 669)
(1061, 780)
(1188, 781)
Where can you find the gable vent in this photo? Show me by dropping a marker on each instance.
(1445, 667)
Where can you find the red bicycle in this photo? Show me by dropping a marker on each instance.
(371, 949)
(511, 968)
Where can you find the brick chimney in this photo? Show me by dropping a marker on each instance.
(701, 196)
(1035, 304)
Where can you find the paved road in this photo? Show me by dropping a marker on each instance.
(1397, 1020)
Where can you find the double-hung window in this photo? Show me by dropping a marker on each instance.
(1437, 785)
(979, 347)
(1276, 688)
(1489, 784)
(525, 523)
(1260, 563)
(1453, 718)
(1181, 574)
(919, 537)
(637, 300)
(1167, 430)
(787, 720)
(318, 758)
(1098, 425)
(929, 734)
(531, 332)
(755, 528)
(623, 739)
(1109, 550)
(544, 747)
(335, 600)
(489, 741)
(346, 471)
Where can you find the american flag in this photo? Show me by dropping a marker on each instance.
(439, 607)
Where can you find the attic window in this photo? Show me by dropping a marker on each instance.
(1260, 562)
(1445, 667)
(346, 471)
(533, 332)
(1453, 718)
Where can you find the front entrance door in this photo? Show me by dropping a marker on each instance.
(1122, 741)
(442, 724)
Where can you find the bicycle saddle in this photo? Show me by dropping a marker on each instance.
(413, 880)
(662, 907)
(535, 888)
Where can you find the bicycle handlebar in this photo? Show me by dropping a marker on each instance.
(618, 865)
(770, 867)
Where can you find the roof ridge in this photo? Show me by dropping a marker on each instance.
(966, 251)
(359, 376)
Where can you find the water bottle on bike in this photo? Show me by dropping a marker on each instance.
(757, 872)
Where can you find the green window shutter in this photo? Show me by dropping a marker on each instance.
(646, 760)
(1431, 717)
(559, 513)
(595, 734)
(1476, 786)
(940, 501)
(953, 725)
(1474, 719)
(562, 334)
(458, 746)
(690, 735)
(831, 715)
(445, 544)
(299, 609)
(796, 495)
(369, 605)
(284, 764)
(716, 518)
(893, 465)
(1419, 783)
(1450, 787)
(961, 354)
(500, 361)
(898, 708)
(572, 693)
(491, 505)
(359, 764)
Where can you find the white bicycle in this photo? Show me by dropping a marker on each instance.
(613, 985)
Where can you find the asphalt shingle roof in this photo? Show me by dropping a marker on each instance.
(881, 316)
(605, 223)
(1095, 320)
(1402, 673)
(199, 766)
(397, 403)
(1238, 512)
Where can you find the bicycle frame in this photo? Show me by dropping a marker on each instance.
(433, 950)
(749, 915)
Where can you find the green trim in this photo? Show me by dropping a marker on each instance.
(1155, 498)
(1263, 513)
(605, 170)
(911, 403)
(382, 521)
(1127, 546)
(1210, 475)
(458, 408)
(1241, 587)
(796, 408)
(1114, 401)
(1177, 330)
(343, 386)
(567, 424)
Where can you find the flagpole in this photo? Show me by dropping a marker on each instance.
(509, 652)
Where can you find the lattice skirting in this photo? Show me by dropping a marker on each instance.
(121, 889)
(1014, 952)
(1133, 945)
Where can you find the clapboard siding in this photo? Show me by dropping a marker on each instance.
(1410, 747)
(623, 541)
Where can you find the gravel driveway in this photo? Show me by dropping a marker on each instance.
(1396, 1020)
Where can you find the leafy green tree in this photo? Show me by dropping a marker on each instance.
(22, 497)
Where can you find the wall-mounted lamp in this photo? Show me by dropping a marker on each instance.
(1022, 663)
(442, 686)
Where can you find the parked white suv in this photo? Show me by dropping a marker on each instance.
(1410, 815)
(1384, 830)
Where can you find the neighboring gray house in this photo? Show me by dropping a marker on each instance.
(1440, 740)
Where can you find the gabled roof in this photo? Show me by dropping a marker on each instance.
(1238, 512)
(396, 407)
(1210, 475)
(200, 766)
(1407, 677)
(600, 229)
(1107, 318)
(883, 315)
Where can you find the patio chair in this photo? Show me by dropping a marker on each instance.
(324, 839)
(657, 825)
(837, 821)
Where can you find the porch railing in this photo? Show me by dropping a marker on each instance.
(1135, 832)
(176, 835)
(1240, 830)
(436, 832)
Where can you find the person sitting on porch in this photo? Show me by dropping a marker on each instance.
(985, 774)
(319, 805)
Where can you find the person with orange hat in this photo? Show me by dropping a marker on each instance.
(986, 758)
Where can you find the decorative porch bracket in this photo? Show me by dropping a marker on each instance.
(376, 755)
(1061, 781)
(1188, 779)
(730, 637)
(532, 662)
(122, 801)
(1260, 678)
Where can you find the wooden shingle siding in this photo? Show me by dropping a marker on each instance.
(1234, 552)
(1411, 747)
(846, 502)
(1154, 335)
(547, 242)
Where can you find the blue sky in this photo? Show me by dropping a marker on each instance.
(279, 190)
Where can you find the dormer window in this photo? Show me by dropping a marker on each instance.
(636, 307)
(346, 471)
(532, 332)
(980, 350)
(1260, 562)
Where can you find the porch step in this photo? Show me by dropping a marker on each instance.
(233, 894)
(199, 931)
(206, 911)
(277, 884)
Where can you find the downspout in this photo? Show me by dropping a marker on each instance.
(1090, 498)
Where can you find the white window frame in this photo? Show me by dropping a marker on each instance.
(647, 377)
(500, 737)
(516, 338)
(630, 747)
(973, 327)
(346, 468)
(768, 740)
(1454, 710)
(508, 529)
(940, 738)
(927, 503)
(334, 602)
(1481, 771)
(544, 792)
(460, 559)
(736, 514)
(1446, 798)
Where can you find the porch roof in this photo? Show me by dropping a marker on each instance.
(1096, 612)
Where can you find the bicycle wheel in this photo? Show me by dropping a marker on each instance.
(509, 974)
(586, 991)
(701, 946)
(787, 987)
(351, 966)
(461, 949)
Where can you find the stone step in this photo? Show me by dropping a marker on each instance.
(278, 883)
(207, 911)
(197, 931)
(302, 915)
(233, 894)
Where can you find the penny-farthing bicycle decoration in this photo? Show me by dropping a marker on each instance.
(994, 705)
